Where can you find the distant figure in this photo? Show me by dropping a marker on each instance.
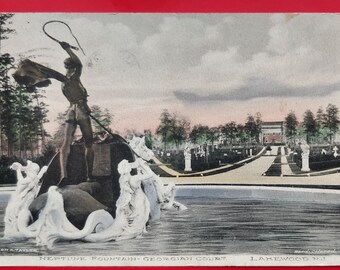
(78, 113)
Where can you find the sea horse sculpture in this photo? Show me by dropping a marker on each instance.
(54, 226)
(165, 194)
(133, 207)
(17, 215)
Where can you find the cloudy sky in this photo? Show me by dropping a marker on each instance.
(210, 68)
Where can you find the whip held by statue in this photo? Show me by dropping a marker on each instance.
(56, 40)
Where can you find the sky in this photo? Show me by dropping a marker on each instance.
(208, 68)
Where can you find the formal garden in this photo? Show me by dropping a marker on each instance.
(210, 159)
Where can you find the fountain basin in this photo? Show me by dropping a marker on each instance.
(298, 194)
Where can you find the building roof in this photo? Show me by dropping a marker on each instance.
(273, 123)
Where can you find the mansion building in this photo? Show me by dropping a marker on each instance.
(273, 133)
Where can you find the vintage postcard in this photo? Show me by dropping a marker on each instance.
(169, 139)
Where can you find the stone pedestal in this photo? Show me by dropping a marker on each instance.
(305, 163)
(251, 152)
(106, 159)
(187, 163)
(305, 157)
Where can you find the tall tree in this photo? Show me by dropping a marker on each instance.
(6, 62)
(253, 126)
(291, 124)
(202, 135)
(199, 134)
(319, 119)
(229, 130)
(331, 121)
(103, 116)
(213, 135)
(173, 128)
(8, 102)
(242, 134)
(179, 129)
(310, 125)
(5, 21)
(164, 127)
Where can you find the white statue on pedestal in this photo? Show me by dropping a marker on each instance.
(305, 156)
(187, 156)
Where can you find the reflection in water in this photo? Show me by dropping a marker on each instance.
(220, 226)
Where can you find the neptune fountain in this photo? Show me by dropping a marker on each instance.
(94, 191)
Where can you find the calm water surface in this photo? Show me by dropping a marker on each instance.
(219, 226)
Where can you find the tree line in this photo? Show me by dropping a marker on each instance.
(175, 130)
(22, 111)
(320, 127)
